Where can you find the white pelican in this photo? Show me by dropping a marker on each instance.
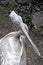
(12, 50)
(16, 19)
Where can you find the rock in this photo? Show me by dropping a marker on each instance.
(38, 19)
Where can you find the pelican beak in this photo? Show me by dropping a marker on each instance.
(28, 37)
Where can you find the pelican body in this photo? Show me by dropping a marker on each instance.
(12, 50)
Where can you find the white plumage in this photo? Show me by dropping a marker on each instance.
(11, 49)
(15, 18)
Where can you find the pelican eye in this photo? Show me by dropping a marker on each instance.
(18, 37)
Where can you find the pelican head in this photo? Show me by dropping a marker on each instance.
(15, 18)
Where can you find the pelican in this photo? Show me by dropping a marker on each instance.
(17, 20)
(12, 50)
